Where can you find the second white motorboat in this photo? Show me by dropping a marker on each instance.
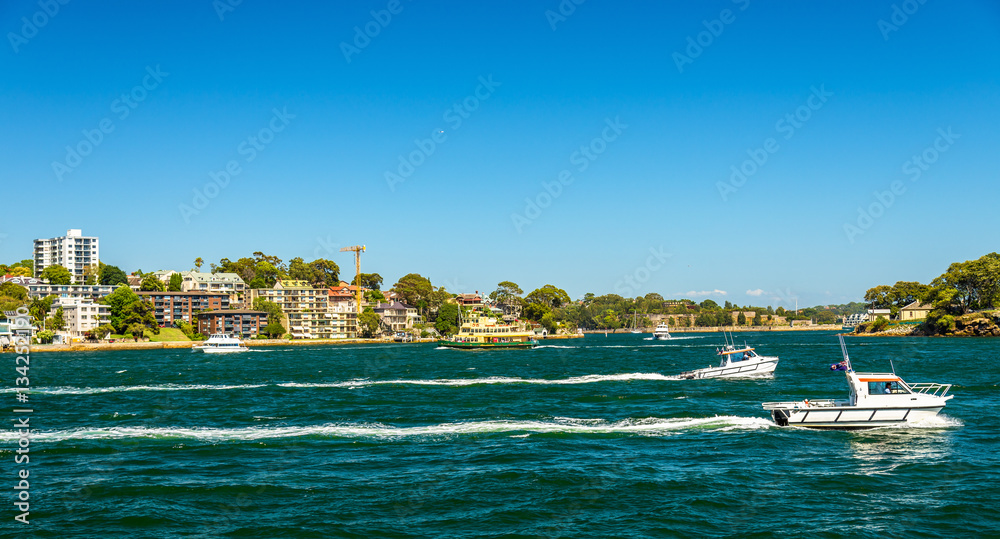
(876, 400)
(221, 343)
(736, 363)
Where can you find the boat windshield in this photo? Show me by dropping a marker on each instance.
(887, 388)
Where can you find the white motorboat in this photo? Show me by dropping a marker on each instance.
(737, 362)
(661, 333)
(876, 400)
(221, 343)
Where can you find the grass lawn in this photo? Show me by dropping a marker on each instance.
(167, 334)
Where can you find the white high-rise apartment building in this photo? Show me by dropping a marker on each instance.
(74, 251)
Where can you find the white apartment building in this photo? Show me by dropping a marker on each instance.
(74, 251)
(83, 291)
(216, 283)
(308, 311)
(81, 315)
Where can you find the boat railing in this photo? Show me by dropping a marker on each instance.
(808, 403)
(930, 389)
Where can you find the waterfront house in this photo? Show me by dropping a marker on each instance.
(82, 291)
(915, 311)
(80, 315)
(308, 313)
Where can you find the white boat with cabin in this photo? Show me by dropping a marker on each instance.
(221, 343)
(737, 362)
(662, 332)
(876, 400)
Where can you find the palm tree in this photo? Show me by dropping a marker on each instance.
(198, 262)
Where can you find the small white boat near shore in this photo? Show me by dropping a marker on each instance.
(876, 400)
(221, 343)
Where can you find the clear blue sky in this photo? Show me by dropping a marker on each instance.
(320, 182)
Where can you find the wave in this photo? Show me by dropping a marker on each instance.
(492, 380)
(363, 382)
(641, 427)
(116, 389)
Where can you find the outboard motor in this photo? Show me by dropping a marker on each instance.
(779, 417)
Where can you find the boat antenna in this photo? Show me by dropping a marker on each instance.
(893, 367)
(843, 349)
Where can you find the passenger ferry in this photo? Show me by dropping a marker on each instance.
(481, 331)
(221, 343)
(877, 399)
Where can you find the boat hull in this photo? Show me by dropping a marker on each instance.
(738, 369)
(851, 417)
(487, 346)
(657, 337)
(213, 350)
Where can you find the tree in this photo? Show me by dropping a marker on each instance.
(535, 311)
(447, 319)
(507, 293)
(273, 330)
(548, 295)
(56, 274)
(150, 283)
(879, 297)
(90, 274)
(118, 303)
(709, 305)
(40, 307)
(369, 323)
(111, 275)
(136, 330)
(325, 271)
(45, 336)
(140, 313)
(371, 281)
(973, 284)
(198, 262)
(548, 321)
(58, 320)
(414, 288)
(705, 319)
(175, 282)
(273, 310)
(741, 319)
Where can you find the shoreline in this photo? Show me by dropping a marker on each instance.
(734, 329)
(168, 345)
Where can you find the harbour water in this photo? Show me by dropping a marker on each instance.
(581, 438)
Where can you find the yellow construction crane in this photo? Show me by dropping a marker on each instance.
(358, 249)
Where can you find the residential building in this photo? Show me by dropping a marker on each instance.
(81, 315)
(873, 314)
(17, 279)
(307, 310)
(82, 291)
(240, 322)
(74, 251)
(343, 301)
(397, 316)
(469, 300)
(171, 306)
(915, 311)
(134, 282)
(216, 283)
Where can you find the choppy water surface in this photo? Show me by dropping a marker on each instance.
(581, 438)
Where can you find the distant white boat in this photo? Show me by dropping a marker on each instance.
(221, 343)
(635, 323)
(661, 333)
